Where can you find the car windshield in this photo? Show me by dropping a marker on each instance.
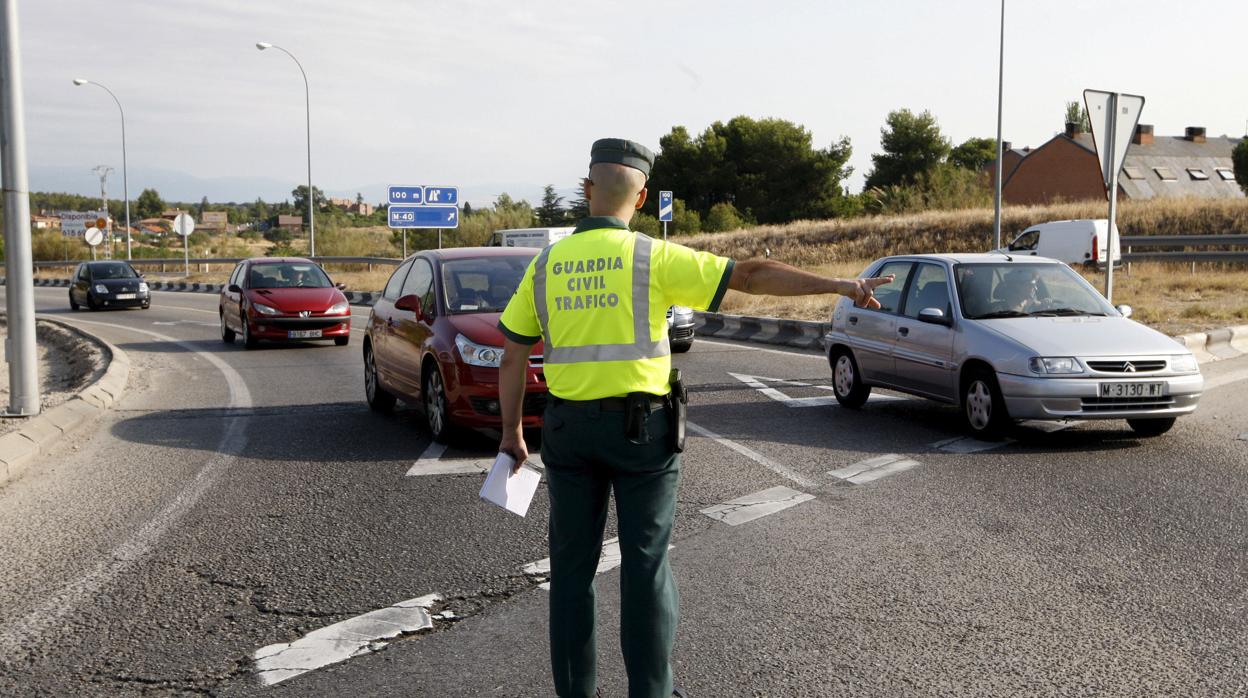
(1025, 290)
(112, 270)
(482, 285)
(287, 275)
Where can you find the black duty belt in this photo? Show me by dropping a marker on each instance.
(609, 404)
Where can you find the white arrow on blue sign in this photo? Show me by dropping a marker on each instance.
(404, 216)
(665, 206)
(441, 195)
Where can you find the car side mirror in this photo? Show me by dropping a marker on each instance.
(233, 288)
(934, 316)
(1125, 310)
(409, 302)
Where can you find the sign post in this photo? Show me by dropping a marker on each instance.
(94, 236)
(665, 210)
(423, 207)
(184, 225)
(1113, 117)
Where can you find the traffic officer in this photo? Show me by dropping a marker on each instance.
(598, 299)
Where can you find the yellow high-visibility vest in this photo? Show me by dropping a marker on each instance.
(599, 298)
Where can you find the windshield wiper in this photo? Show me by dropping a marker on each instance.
(1000, 314)
(1064, 312)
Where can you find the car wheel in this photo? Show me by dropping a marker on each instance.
(227, 335)
(437, 412)
(91, 304)
(847, 382)
(983, 408)
(681, 347)
(378, 399)
(1151, 427)
(73, 304)
(146, 305)
(249, 340)
(342, 341)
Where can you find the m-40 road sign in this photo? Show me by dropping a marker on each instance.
(424, 216)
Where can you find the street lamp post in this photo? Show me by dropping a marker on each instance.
(996, 216)
(308, 104)
(125, 177)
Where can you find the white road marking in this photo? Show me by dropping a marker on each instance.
(353, 637)
(609, 560)
(430, 462)
(1226, 379)
(798, 353)
(753, 455)
(759, 383)
(755, 506)
(60, 602)
(873, 468)
(965, 444)
(1243, 436)
(157, 323)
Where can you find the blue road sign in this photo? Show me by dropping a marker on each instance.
(665, 206)
(441, 196)
(403, 216)
(407, 195)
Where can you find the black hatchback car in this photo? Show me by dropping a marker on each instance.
(108, 284)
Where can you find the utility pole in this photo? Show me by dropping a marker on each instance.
(102, 171)
(996, 199)
(19, 344)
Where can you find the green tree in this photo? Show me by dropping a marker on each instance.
(149, 204)
(912, 144)
(974, 153)
(767, 168)
(645, 223)
(579, 208)
(260, 210)
(685, 221)
(551, 213)
(203, 206)
(723, 216)
(1239, 159)
(1077, 114)
(299, 195)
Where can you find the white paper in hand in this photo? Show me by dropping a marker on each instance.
(513, 492)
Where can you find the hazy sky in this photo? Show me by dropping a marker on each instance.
(493, 95)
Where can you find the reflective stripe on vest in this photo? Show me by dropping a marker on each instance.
(641, 348)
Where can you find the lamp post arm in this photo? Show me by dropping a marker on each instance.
(125, 174)
(307, 100)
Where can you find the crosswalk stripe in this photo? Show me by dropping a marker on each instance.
(431, 462)
(871, 469)
(755, 506)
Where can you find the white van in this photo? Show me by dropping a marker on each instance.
(1073, 242)
(528, 237)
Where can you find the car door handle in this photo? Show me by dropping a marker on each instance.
(853, 319)
(903, 331)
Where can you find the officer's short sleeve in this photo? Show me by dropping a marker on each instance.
(691, 278)
(519, 320)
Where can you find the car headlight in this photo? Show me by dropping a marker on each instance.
(265, 310)
(478, 354)
(339, 309)
(142, 287)
(1184, 363)
(1054, 365)
(101, 288)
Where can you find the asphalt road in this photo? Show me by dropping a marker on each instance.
(238, 499)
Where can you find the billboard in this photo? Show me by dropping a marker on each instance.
(75, 223)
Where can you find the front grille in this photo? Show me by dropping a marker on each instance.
(682, 333)
(297, 323)
(1139, 366)
(1126, 404)
(534, 404)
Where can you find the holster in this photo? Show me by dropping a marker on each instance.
(637, 418)
(677, 400)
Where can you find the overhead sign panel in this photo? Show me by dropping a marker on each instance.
(665, 206)
(424, 217)
(74, 224)
(1114, 117)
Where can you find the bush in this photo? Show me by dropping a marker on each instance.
(723, 216)
(646, 223)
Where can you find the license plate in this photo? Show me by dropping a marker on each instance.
(1133, 389)
(303, 334)
(126, 296)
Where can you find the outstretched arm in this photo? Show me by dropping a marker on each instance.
(772, 278)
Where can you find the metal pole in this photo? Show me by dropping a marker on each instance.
(439, 238)
(307, 97)
(20, 351)
(404, 231)
(125, 176)
(664, 230)
(186, 255)
(1110, 158)
(996, 216)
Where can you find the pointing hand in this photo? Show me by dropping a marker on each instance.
(863, 291)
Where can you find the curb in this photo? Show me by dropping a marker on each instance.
(366, 298)
(19, 449)
(1214, 345)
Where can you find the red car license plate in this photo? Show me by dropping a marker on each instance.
(303, 334)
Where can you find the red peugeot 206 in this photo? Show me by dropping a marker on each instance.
(283, 299)
(433, 338)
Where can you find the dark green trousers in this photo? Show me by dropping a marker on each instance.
(587, 457)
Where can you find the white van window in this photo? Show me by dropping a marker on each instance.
(1026, 241)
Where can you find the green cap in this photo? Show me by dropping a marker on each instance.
(623, 152)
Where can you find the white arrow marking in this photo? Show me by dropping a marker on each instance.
(431, 463)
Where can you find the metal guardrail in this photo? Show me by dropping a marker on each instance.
(1226, 255)
(178, 261)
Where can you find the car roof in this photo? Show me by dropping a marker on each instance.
(448, 253)
(97, 262)
(973, 258)
(279, 260)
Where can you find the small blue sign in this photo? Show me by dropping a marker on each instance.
(424, 216)
(665, 206)
(407, 195)
(448, 196)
